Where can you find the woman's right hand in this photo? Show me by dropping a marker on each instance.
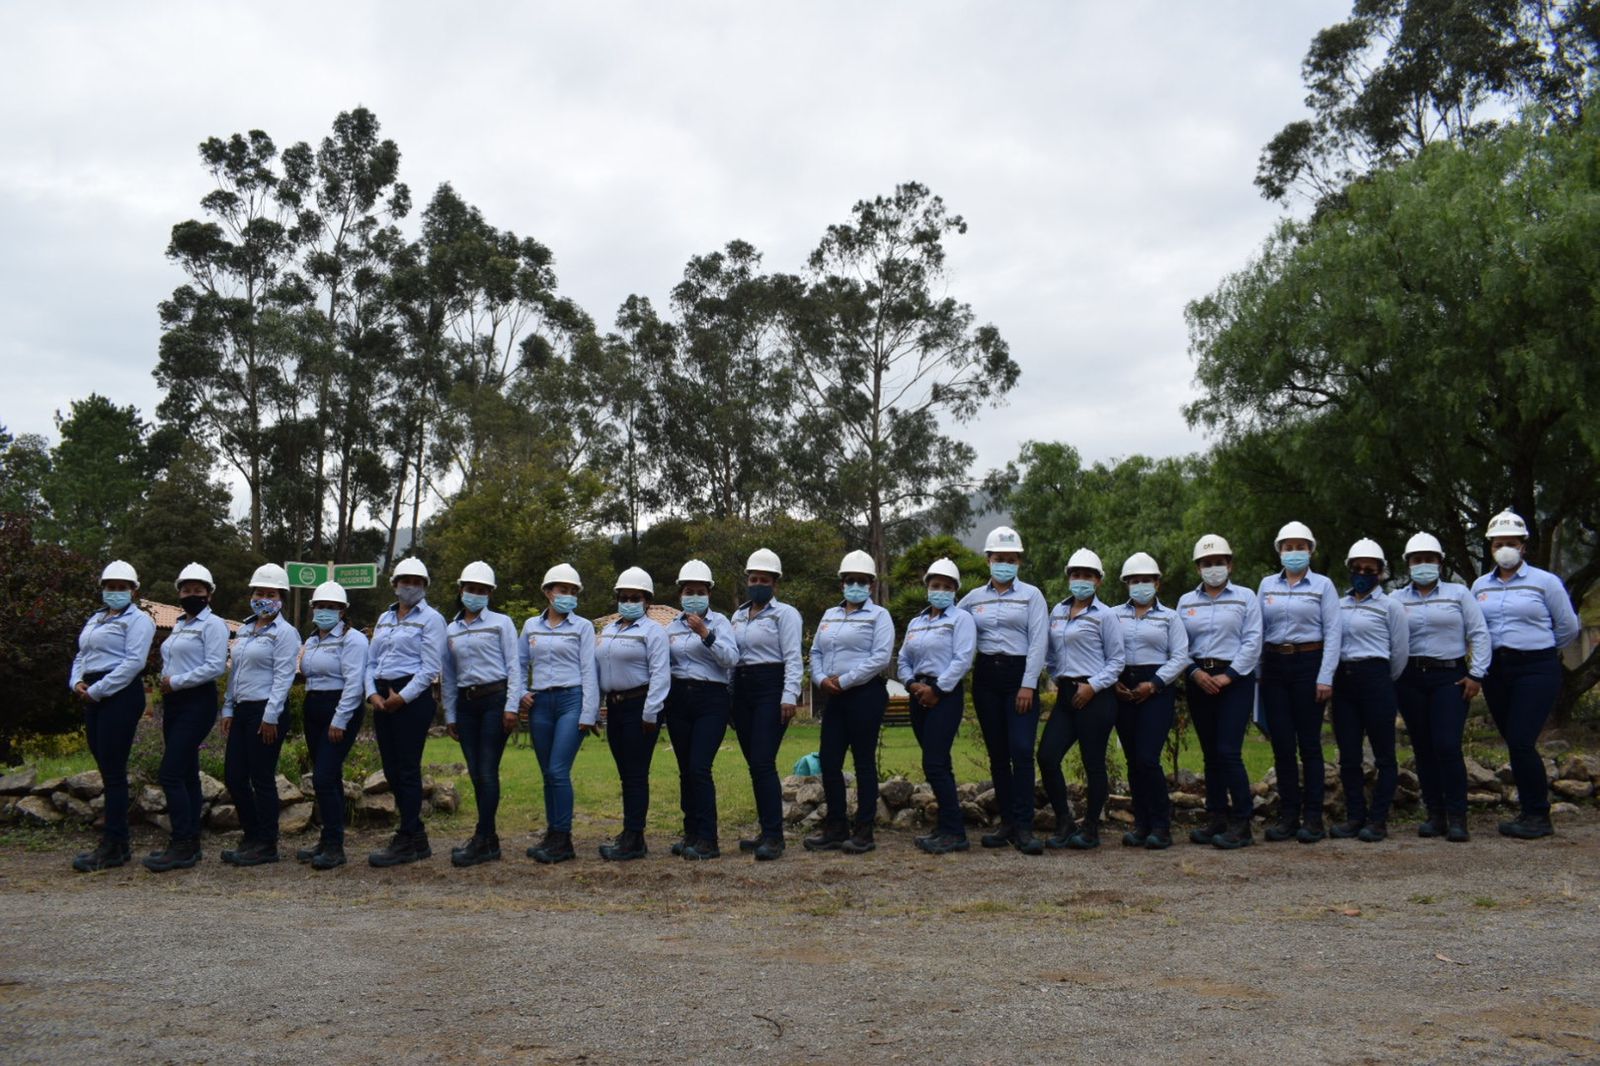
(527, 703)
(227, 727)
(335, 734)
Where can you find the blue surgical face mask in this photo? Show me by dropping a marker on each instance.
(566, 603)
(474, 602)
(266, 608)
(943, 599)
(1295, 562)
(116, 600)
(410, 595)
(1003, 572)
(1425, 574)
(325, 617)
(1142, 593)
(697, 604)
(856, 594)
(1364, 583)
(1081, 590)
(631, 611)
(760, 593)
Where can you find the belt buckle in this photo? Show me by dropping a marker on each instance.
(1285, 649)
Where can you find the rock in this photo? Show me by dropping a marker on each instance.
(1506, 775)
(1564, 809)
(1119, 802)
(36, 810)
(211, 789)
(1122, 817)
(49, 785)
(907, 818)
(896, 792)
(1407, 797)
(968, 791)
(1481, 798)
(1260, 789)
(1186, 780)
(428, 785)
(223, 816)
(152, 800)
(1550, 771)
(793, 812)
(1573, 769)
(1555, 747)
(988, 801)
(809, 795)
(1044, 818)
(378, 808)
(973, 814)
(308, 787)
(1478, 775)
(161, 822)
(1407, 779)
(1589, 765)
(86, 785)
(884, 816)
(98, 804)
(446, 798)
(794, 781)
(295, 818)
(1271, 778)
(1186, 801)
(1572, 790)
(375, 783)
(73, 807)
(1511, 797)
(924, 801)
(287, 792)
(1330, 775)
(813, 819)
(790, 793)
(19, 783)
(352, 792)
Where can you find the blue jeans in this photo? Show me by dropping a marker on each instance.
(401, 734)
(632, 749)
(1294, 724)
(1220, 723)
(758, 723)
(697, 720)
(935, 728)
(1435, 710)
(327, 759)
(1007, 735)
(554, 725)
(250, 769)
(1521, 689)
(187, 716)
(1143, 729)
(852, 720)
(480, 723)
(111, 724)
(1090, 729)
(1364, 706)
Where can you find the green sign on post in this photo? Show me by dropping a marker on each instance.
(356, 575)
(306, 575)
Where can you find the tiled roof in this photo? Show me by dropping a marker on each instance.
(660, 613)
(166, 616)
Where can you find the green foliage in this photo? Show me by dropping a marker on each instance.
(24, 469)
(906, 575)
(97, 472)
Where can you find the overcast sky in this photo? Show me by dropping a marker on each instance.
(1101, 153)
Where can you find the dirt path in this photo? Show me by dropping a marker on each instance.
(1412, 951)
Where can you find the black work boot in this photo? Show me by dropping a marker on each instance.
(860, 841)
(472, 852)
(178, 855)
(402, 848)
(544, 842)
(1065, 827)
(1158, 840)
(1528, 827)
(701, 851)
(681, 843)
(307, 854)
(1375, 830)
(1024, 841)
(769, 848)
(1216, 825)
(261, 853)
(1311, 829)
(330, 856)
(1000, 838)
(1135, 837)
(231, 855)
(1347, 829)
(1236, 835)
(1434, 826)
(1456, 829)
(832, 836)
(559, 848)
(628, 846)
(749, 844)
(1284, 828)
(1087, 836)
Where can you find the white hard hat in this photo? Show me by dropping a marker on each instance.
(270, 576)
(764, 560)
(1002, 539)
(1140, 563)
(1211, 544)
(858, 562)
(409, 568)
(562, 574)
(1085, 559)
(1366, 548)
(478, 573)
(1424, 542)
(117, 570)
(194, 572)
(330, 592)
(1294, 531)
(1507, 524)
(943, 568)
(635, 578)
(695, 570)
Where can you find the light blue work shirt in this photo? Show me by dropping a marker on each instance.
(1224, 627)
(630, 655)
(1158, 639)
(939, 644)
(411, 647)
(561, 656)
(264, 663)
(336, 661)
(1089, 645)
(1013, 622)
(771, 635)
(693, 659)
(480, 652)
(117, 645)
(1446, 623)
(1530, 612)
(1374, 628)
(196, 651)
(1302, 613)
(852, 644)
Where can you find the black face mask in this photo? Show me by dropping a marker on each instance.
(193, 605)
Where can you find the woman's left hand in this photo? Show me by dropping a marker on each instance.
(1081, 698)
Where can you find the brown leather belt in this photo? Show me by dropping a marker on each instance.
(1294, 649)
(488, 688)
(628, 694)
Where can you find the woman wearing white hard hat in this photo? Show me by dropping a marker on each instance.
(934, 660)
(556, 655)
(482, 687)
(1156, 650)
(1374, 645)
(108, 677)
(1013, 623)
(193, 656)
(265, 652)
(1449, 658)
(404, 660)
(1530, 619)
(766, 690)
(849, 654)
(1085, 657)
(634, 669)
(333, 660)
(703, 654)
(1223, 622)
(1300, 651)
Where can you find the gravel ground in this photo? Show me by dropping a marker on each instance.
(1413, 951)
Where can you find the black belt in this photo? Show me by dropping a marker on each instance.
(1363, 662)
(1211, 666)
(625, 694)
(1521, 653)
(695, 684)
(997, 659)
(1295, 649)
(925, 679)
(1064, 679)
(1422, 662)
(89, 679)
(394, 684)
(487, 688)
(757, 668)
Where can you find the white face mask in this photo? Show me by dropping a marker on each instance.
(1214, 576)
(1508, 558)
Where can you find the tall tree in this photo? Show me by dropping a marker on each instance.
(97, 472)
(24, 468)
